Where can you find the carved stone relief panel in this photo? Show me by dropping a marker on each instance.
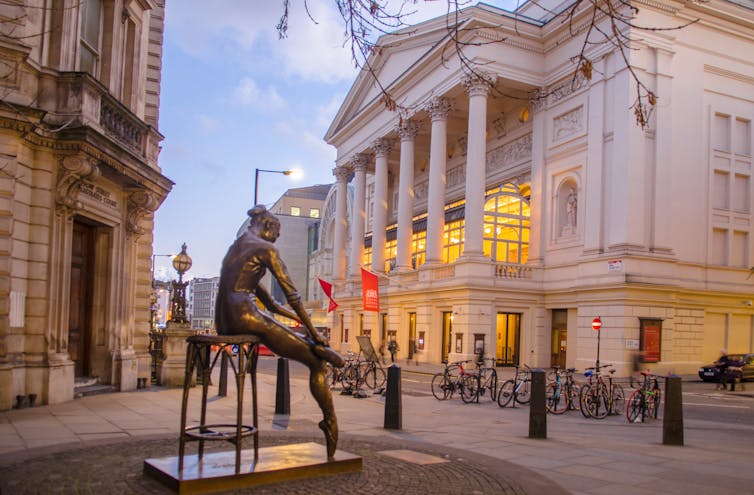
(568, 124)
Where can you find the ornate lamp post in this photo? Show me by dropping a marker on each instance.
(182, 264)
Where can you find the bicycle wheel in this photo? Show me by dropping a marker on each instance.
(618, 400)
(556, 400)
(441, 386)
(633, 407)
(488, 381)
(505, 394)
(600, 403)
(470, 389)
(574, 397)
(373, 375)
(523, 394)
(584, 397)
(348, 376)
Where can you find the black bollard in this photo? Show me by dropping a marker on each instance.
(537, 410)
(393, 408)
(672, 419)
(222, 389)
(283, 389)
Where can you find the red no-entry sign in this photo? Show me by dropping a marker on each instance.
(597, 324)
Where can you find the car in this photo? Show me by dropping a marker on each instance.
(711, 373)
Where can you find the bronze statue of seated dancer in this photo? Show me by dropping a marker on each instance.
(237, 312)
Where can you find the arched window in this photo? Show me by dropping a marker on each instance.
(506, 225)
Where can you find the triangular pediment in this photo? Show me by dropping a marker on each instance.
(400, 55)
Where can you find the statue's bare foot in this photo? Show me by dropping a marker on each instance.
(330, 429)
(329, 355)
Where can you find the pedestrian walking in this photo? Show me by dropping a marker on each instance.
(392, 348)
(722, 366)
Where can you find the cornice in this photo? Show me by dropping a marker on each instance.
(711, 69)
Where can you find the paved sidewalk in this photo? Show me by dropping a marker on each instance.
(580, 455)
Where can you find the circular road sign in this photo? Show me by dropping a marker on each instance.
(597, 324)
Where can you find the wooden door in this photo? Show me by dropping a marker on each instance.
(80, 298)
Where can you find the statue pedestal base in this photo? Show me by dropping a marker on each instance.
(217, 470)
(174, 348)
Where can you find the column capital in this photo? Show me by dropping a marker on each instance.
(342, 174)
(382, 147)
(408, 130)
(360, 162)
(439, 108)
(478, 83)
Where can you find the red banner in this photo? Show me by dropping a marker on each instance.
(327, 289)
(370, 291)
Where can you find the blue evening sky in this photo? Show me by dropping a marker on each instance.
(235, 98)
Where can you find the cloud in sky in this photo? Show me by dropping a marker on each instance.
(249, 94)
(207, 123)
(311, 51)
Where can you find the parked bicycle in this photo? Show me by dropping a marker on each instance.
(337, 376)
(482, 382)
(452, 379)
(599, 397)
(373, 374)
(562, 394)
(518, 389)
(644, 402)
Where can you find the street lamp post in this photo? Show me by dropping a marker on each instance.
(182, 264)
(256, 179)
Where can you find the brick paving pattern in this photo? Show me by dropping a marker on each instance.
(117, 468)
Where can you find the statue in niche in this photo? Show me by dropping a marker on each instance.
(571, 208)
(237, 312)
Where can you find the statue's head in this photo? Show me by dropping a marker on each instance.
(263, 223)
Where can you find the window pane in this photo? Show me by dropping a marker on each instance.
(90, 23)
(87, 60)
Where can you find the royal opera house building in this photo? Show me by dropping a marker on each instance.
(504, 203)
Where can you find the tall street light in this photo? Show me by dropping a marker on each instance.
(256, 179)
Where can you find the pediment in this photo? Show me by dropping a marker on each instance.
(400, 55)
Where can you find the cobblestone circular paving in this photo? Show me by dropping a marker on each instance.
(117, 468)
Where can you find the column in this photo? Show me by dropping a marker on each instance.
(342, 175)
(358, 213)
(381, 148)
(477, 86)
(407, 132)
(540, 201)
(438, 110)
(663, 227)
(594, 177)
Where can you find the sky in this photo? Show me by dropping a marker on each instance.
(234, 98)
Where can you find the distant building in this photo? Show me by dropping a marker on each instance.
(299, 211)
(202, 297)
(161, 307)
(79, 182)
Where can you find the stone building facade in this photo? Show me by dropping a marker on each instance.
(504, 222)
(79, 182)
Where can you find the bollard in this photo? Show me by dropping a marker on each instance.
(537, 410)
(283, 389)
(393, 409)
(222, 389)
(672, 418)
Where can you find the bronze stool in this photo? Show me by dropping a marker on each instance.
(199, 355)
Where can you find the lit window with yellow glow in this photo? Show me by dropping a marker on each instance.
(366, 258)
(452, 241)
(391, 251)
(506, 225)
(418, 248)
